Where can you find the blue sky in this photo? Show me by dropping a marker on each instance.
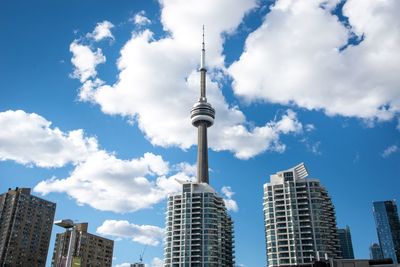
(95, 100)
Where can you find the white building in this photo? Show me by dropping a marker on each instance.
(199, 229)
(300, 223)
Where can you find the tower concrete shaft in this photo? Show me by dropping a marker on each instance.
(202, 116)
(202, 154)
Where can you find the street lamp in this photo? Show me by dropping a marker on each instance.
(67, 224)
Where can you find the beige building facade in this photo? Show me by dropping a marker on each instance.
(26, 222)
(76, 247)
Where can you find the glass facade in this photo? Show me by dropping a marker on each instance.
(375, 252)
(345, 243)
(388, 228)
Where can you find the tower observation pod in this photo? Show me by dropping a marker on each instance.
(202, 116)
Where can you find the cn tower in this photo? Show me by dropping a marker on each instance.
(199, 230)
(202, 116)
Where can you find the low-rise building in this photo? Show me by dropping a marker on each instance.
(77, 247)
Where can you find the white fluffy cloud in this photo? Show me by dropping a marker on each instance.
(158, 83)
(144, 234)
(390, 150)
(248, 143)
(107, 183)
(227, 191)
(29, 139)
(184, 18)
(85, 60)
(230, 204)
(99, 179)
(309, 127)
(141, 19)
(102, 31)
(313, 147)
(290, 59)
(189, 169)
(157, 262)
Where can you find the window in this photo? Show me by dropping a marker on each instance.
(288, 176)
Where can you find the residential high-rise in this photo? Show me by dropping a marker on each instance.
(199, 231)
(346, 244)
(77, 247)
(300, 223)
(375, 252)
(388, 228)
(25, 228)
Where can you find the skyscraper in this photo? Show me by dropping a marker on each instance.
(300, 223)
(77, 247)
(199, 229)
(25, 228)
(375, 252)
(388, 228)
(346, 244)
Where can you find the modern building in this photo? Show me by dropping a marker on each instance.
(199, 230)
(346, 244)
(77, 247)
(300, 223)
(25, 228)
(388, 228)
(352, 263)
(375, 252)
(138, 265)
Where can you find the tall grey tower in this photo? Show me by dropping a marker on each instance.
(202, 115)
(300, 223)
(199, 230)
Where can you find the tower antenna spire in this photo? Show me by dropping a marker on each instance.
(203, 38)
(203, 54)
